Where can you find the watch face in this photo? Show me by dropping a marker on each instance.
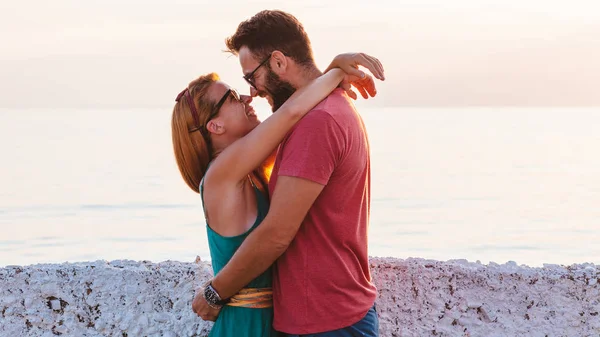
(207, 295)
(210, 295)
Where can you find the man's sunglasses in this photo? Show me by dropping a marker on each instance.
(250, 77)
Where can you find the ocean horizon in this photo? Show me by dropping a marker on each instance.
(484, 184)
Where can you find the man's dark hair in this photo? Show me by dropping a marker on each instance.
(271, 30)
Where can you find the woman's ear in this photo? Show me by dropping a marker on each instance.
(215, 126)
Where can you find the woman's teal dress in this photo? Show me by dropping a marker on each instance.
(240, 321)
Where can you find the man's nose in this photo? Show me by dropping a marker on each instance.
(253, 92)
(246, 99)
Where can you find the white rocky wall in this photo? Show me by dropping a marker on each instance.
(416, 298)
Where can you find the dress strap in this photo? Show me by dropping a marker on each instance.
(265, 187)
(202, 191)
(251, 181)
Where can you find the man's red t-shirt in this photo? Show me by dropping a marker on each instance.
(322, 282)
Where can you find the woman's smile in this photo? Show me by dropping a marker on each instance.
(250, 111)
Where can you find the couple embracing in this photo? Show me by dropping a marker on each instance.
(286, 200)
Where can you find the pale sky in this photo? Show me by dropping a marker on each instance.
(124, 53)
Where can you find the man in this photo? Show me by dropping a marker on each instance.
(317, 224)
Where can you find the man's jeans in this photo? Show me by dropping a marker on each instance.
(367, 327)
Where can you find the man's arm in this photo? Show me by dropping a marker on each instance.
(291, 200)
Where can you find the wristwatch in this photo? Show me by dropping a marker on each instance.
(212, 297)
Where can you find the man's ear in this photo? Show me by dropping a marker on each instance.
(279, 62)
(215, 126)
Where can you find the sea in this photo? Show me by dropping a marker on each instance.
(487, 184)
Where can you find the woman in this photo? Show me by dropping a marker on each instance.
(225, 153)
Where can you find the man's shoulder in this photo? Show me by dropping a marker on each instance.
(316, 118)
(337, 100)
(329, 109)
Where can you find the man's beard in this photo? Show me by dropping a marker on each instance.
(278, 89)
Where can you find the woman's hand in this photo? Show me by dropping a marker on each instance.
(203, 309)
(349, 63)
(363, 82)
(365, 85)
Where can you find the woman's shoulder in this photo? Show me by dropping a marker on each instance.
(218, 182)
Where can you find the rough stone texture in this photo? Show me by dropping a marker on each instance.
(456, 298)
(416, 298)
(120, 298)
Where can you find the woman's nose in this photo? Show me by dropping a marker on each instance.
(246, 99)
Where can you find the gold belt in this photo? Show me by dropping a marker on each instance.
(252, 298)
